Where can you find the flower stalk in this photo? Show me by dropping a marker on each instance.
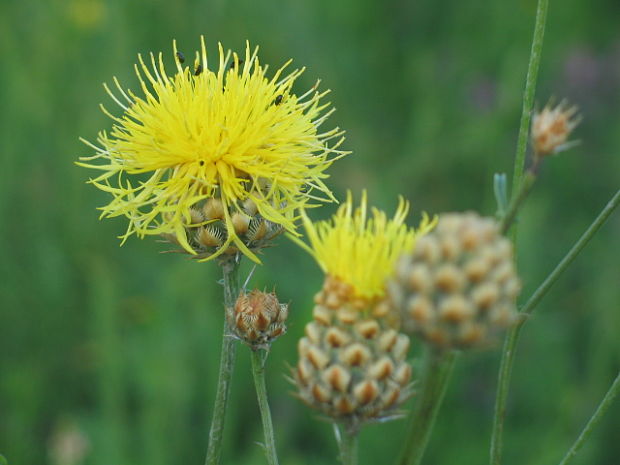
(529, 180)
(510, 344)
(437, 370)
(347, 438)
(259, 358)
(528, 94)
(594, 420)
(572, 254)
(519, 164)
(230, 270)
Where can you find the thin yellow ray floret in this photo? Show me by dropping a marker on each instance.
(362, 249)
(233, 133)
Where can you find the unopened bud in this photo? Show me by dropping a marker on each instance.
(463, 296)
(258, 318)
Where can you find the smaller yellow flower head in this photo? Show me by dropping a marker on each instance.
(360, 250)
(233, 134)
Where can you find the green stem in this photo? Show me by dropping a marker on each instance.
(572, 254)
(528, 94)
(437, 370)
(227, 364)
(505, 371)
(519, 165)
(258, 371)
(510, 344)
(515, 205)
(347, 438)
(594, 420)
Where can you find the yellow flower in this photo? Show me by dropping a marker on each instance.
(231, 134)
(359, 250)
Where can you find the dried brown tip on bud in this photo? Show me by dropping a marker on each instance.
(213, 209)
(551, 128)
(196, 216)
(240, 222)
(258, 318)
(457, 289)
(210, 237)
(249, 206)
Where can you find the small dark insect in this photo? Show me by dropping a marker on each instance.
(198, 70)
(180, 57)
(278, 100)
(232, 65)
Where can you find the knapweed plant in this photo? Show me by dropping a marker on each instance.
(222, 161)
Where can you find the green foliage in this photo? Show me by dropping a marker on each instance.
(123, 343)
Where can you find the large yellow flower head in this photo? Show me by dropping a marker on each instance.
(359, 249)
(232, 134)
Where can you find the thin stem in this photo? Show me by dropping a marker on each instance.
(519, 165)
(259, 357)
(505, 371)
(528, 94)
(347, 438)
(510, 344)
(572, 253)
(517, 202)
(437, 370)
(594, 420)
(227, 364)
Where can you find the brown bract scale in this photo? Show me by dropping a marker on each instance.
(208, 231)
(352, 361)
(458, 287)
(258, 318)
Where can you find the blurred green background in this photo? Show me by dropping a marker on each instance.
(111, 353)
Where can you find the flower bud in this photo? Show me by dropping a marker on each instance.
(258, 318)
(458, 287)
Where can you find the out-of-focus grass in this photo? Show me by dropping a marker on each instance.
(123, 343)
